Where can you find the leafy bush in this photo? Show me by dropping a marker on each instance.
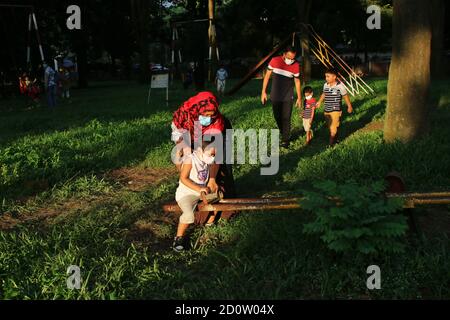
(355, 218)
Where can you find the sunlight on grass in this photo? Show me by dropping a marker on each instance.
(53, 162)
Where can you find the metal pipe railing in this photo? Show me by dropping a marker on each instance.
(257, 204)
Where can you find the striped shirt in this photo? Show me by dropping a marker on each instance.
(283, 74)
(333, 96)
(308, 108)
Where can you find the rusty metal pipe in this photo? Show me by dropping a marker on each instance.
(419, 195)
(258, 204)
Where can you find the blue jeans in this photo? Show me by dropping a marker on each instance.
(51, 96)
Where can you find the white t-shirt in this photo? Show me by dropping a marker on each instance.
(199, 173)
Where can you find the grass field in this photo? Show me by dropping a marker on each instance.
(83, 185)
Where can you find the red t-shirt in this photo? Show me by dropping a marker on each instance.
(283, 74)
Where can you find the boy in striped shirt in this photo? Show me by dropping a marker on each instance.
(333, 92)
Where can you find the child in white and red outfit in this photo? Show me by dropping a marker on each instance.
(309, 107)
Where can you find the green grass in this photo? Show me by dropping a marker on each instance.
(57, 161)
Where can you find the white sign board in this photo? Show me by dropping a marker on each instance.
(160, 81)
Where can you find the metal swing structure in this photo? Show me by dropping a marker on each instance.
(213, 48)
(176, 50)
(396, 189)
(32, 24)
(354, 84)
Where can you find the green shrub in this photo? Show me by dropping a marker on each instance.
(354, 218)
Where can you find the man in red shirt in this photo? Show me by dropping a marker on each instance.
(283, 69)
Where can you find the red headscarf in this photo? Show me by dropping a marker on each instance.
(191, 109)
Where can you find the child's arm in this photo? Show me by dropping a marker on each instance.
(212, 183)
(313, 111)
(322, 97)
(349, 103)
(184, 178)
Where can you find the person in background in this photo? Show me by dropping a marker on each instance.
(50, 85)
(221, 78)
(64, 76)
(188, 76)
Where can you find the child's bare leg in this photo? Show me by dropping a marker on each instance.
(187, 205)
(182, 227)
(212, 217)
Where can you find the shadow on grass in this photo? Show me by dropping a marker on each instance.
(291, 158)
(266, 256)
(61, 158)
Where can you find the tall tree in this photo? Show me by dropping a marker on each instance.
(304, 9)
(409, 74)
(81, 46)
(212, 39)
(140, 12)
(437, 44)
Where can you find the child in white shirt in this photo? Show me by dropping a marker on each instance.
(194, 178)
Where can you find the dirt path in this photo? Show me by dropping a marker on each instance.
(134, 179)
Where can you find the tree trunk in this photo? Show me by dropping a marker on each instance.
(409, 74)
(304, 9)
(80, 43)
(211, 38)
(140, 14)
(438, 66)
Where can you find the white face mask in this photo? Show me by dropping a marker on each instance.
(208, 159)
(288, 61)
(308, 97)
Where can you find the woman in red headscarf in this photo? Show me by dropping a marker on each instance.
(198, 114)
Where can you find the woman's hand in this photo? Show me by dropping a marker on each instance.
(212, 185)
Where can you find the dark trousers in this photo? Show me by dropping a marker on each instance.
(282, 111)
(51, 96)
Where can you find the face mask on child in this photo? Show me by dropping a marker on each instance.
(204, 121)
(208, 159)
(309, 97)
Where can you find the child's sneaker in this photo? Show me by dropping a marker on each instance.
(179, 244)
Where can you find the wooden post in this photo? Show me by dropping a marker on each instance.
(212, 39)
